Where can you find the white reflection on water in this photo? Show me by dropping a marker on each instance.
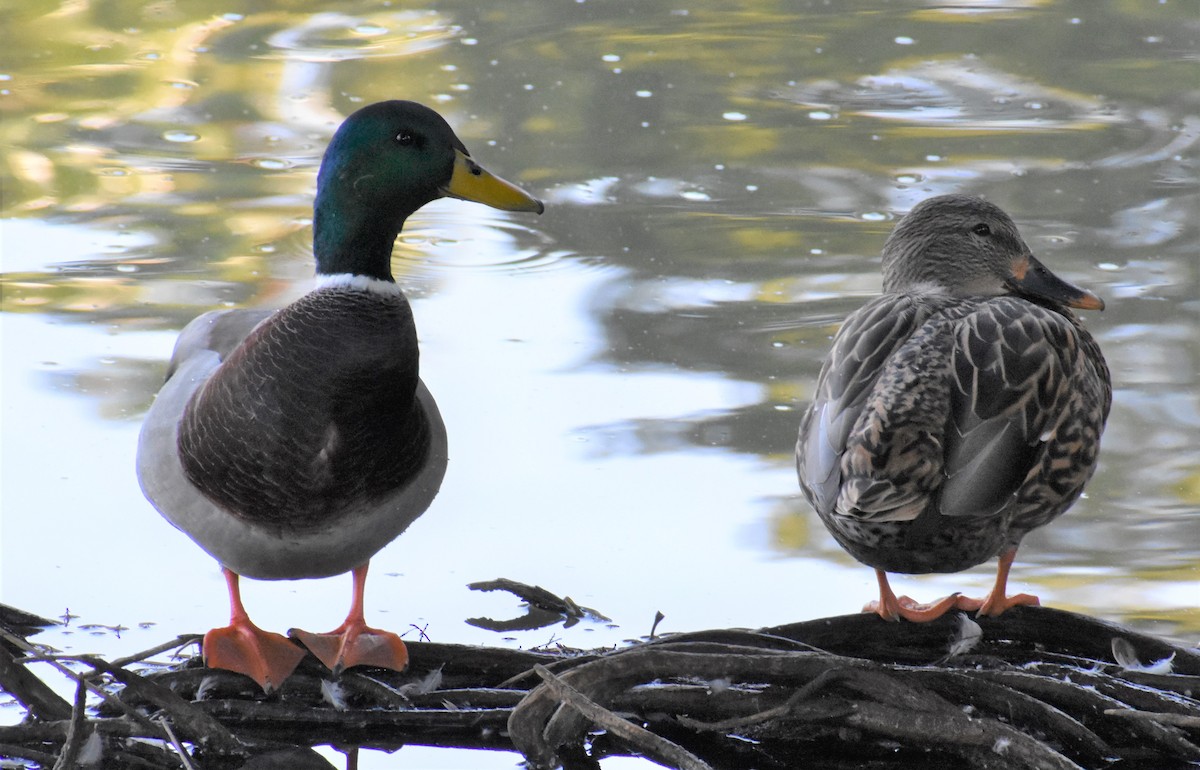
(57, 245)
(525, 497)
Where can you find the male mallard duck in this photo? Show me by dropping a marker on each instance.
(297, 443)
(956, 412)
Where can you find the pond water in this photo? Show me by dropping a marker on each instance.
(622, 377)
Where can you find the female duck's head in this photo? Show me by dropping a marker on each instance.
(963, 246)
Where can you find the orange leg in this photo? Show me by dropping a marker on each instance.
(891, 607)
(354, 643)
(243, 647)
(996, 601)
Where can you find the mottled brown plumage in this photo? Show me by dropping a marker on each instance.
(959, 410)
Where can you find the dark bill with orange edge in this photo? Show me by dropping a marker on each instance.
(1031, 277)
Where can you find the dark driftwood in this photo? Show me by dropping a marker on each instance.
(542, 608)
(1039, 688)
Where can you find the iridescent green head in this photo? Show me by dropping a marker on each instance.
(386, 161)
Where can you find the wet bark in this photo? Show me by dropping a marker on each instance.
(1037, 688)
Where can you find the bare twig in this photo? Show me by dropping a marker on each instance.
(653, 746)
(658, 618)
(1179, 720)
(198, 726)
(178, 643)
(30, 692)
(544, 608)
(184, 756)
(15, 751)
(779, 712)
(76, 731)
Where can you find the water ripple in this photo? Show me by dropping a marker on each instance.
(334, 37)
(963, 94)
(442, 243)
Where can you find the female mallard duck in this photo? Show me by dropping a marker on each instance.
(956, 412)
(297, 443)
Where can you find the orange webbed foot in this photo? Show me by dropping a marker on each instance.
(909, 609)
(892, 608)
(243, 647)
(993, 605)
(996, 602)
(355, 644)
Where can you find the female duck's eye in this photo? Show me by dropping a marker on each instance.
(981, 229)
(404, 138)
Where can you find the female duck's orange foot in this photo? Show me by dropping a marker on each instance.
(355, 644)
(894, 608)
(245, 648)
(994, 604)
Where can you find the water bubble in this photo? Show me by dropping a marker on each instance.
(644, 94)
(181, 136)
(820, 115)
(904, 40)
(874, 216)
(610, 57)
(735, 116)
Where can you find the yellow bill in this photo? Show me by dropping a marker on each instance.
(471, 182)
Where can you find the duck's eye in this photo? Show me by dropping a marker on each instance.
(405, 138)
(981, 229)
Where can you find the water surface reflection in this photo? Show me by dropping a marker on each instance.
(622, 378)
